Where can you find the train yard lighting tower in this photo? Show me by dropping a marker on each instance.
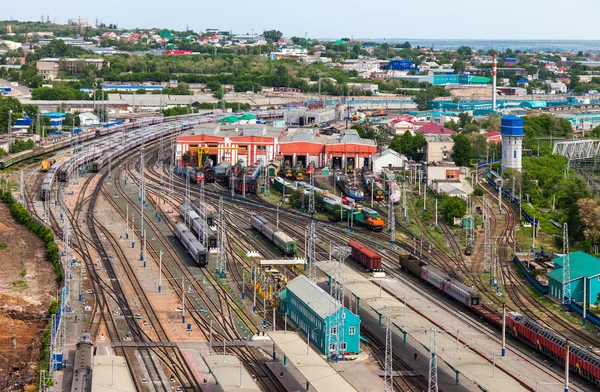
(222, 255)
(487, 237)
(512, 142)
(142, 200)
(432, 383)
(312, 242)
(404, 206)
(388, 379)
(311, 198)
(392, 220)
(336, 307)
(566, 278)
(267, 183)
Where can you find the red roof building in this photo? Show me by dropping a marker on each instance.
(435, 129)
(494, 137)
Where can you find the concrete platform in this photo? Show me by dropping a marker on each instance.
(470, 358)
(230, 374)
(318, 373)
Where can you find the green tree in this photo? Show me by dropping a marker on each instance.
(464, 118)
(186, 157)
(452, 125)
(459, 66)
(462, 150)
(452, 207)
(464, 51)
(272, 35)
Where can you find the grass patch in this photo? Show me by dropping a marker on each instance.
(3, 245)
(19, 283)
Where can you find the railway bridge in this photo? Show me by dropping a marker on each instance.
(577, 150)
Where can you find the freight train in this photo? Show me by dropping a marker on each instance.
(348, 187)
(365, 256)
(583, 362)
(276, 236)
(191, 244)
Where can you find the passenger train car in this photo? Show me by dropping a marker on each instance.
(191, 244)
(278, 237)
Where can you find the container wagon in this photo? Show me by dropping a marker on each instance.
(365, 256)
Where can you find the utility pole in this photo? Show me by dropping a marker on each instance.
(432, 384)
(566, 278)
(487, 238)
(388, 378)
(311, 198)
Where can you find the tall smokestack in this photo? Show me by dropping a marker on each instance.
(494, 72)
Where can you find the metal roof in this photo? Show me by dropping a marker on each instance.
(312, 295)
(582, 265)
(350, 136)
(302, 135)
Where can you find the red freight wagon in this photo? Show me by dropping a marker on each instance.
(365, 256)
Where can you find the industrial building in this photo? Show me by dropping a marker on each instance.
(49, 67)
(233, 142)
(302, 117)
(311, 309)
(307, 145)
(441, 80)
(585, 272)
(439, 148)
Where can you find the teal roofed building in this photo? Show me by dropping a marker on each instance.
(533, 104)
(228, 120)
(585, 270)
(309, 308)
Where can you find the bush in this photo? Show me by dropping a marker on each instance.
(478, 191)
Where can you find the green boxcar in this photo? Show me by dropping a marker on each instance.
(285, 243)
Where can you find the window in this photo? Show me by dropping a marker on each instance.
(343, 346)
(333, 330)
(351, 330)
(331, 346)
(515, 154)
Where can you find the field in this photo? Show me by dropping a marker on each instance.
(27, 285)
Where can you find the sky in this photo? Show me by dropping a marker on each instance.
(430, 19)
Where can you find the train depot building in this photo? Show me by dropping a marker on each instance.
(312, 310)
(250, 142)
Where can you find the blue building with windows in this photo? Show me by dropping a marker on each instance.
(585, 272)
(309, 307)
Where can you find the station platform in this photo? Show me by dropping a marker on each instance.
(319, 374)
(230, 374)
(464, 354)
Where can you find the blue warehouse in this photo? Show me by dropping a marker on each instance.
(585, 270)
(309, 307)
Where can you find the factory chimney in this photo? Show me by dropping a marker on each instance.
(494, 72)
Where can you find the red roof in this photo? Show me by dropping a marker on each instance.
(493, 134)
(435, 129)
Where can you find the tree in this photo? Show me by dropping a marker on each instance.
(452, 207)
(423, 97)
(589, 215)
(464, 51)
(464, 118)
(459, 66)
(186, 157)
(452, 125)
(272, 35)
(462, 150)
(361, 131)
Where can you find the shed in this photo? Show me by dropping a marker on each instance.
(312, 310)
(585, 269)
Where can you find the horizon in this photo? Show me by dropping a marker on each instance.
(463, 21)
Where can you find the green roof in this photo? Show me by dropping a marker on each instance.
(229, 120)
(248, 116)
(479, 79)
(533, 104)
(582, 265)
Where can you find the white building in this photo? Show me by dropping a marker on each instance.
(388, 158)
(512, 142)
(88, 119)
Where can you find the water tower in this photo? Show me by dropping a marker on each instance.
(512, 142)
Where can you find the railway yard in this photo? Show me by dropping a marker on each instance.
(185, 278)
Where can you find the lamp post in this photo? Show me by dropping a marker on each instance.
(8, 128)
